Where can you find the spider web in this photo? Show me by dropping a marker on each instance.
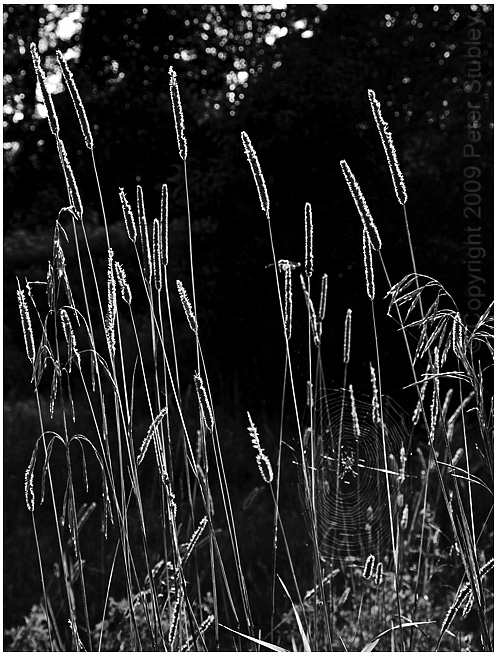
(353, 495)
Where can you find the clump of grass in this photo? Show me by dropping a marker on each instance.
(182, 587)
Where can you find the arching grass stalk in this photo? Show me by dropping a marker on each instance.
(30, 501)
(39, 361)
(88, 138)
(469, 485)
(102, 436)
(71, 508)
(76, 211)
(400, 295)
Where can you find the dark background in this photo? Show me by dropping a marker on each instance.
(305, 107)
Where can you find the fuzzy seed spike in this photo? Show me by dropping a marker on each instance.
(76, 98)
(361, 206)
(253, 160)
(389, 149)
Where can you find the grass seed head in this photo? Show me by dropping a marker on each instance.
(178, 114)
(129, 219)
(468, 605)
(144, 235)
(263, 462)
(323, 296)
(461, 597)
(157, 254)
(265, 468)
(446, 404)
(29, 492)
(53, 121)
(194, 539)
(50, 287)
(54, 387)
(367, 260)
(253, 431)
(70, 338)
(362, 207)
(153, 428)
(308, 243)
(146, 254)
(187, 307)
(286, 266)
(346, 351)
(164, 225)
(208, 621)
(315, 329)
(27, 328)
(457, 337)
(110, 318)
(204, 404)
(253, 160)
(375, 397)
(450, 425)
(435, 396)
(72, 187)
(389, 149)
(76, 98)
(174, 620)
(487, 568)
(354, 413)
(288, 303)
(124, 287)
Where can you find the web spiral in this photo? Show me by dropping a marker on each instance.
(356, 482)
